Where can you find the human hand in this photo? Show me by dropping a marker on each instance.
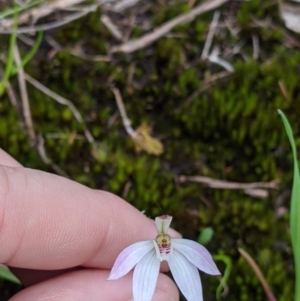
(61, 238)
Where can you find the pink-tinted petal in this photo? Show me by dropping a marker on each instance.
(196, 254)
(163, 223)
(145, 277)
(129, 257)
(186, 275)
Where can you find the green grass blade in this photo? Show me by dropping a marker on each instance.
(10, 69)
(11, 11)
(295, 206)
(6, 274)
(30, 54)
(10, 57)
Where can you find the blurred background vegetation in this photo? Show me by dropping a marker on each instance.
(195, 110)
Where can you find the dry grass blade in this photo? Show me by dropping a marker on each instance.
(126, 121)
(124, 4)
(52, 25)
(62, 101)
(162, 30)
(38, 12)
(114, 30)
(15, 103)
(24, 97)
(259, 274)
(210, 35)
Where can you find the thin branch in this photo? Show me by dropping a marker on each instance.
(62, 101)
(24, 97)
(147, 39)
(221, 184)
(256, 190)
(210, 35)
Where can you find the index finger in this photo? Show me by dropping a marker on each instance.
(7, 160)
(49, 222)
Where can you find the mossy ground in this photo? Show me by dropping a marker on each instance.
(229, 131)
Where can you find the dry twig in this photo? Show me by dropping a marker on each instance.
(255, 189)
(221, 184)
(162, 30)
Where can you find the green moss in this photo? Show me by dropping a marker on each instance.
(229, 131)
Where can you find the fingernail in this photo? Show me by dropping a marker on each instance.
(161, 296)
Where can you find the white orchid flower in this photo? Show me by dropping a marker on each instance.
(184, 257)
